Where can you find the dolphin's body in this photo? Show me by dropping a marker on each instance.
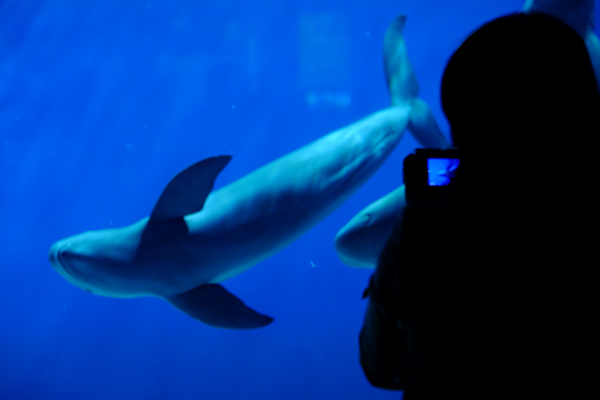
(358, 249)
(362, 239)
(195, 239)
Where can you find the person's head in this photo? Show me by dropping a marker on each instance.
(522, 89)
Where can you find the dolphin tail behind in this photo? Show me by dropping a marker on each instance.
(215, 306)
(403, 88)
(399, 74)
(593, 45)
(424, 128)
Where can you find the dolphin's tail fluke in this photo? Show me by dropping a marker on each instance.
(399, 74)
(424, 128)
(593, 46)
(403, 88)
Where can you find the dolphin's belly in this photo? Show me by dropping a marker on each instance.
(229, 252)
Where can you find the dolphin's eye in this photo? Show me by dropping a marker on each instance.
(88, 290)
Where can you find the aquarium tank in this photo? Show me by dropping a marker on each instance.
(103, 103)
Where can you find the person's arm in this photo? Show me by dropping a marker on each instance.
(382, 341)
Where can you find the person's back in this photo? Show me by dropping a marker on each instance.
(494, 293)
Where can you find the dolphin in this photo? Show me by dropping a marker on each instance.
(195, 238)
(403, 88)
(361, 240)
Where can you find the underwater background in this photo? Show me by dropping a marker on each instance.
(102, 103)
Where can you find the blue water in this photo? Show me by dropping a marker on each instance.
(101, 103)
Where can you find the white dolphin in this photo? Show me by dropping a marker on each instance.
(195, 239)
(362, 239)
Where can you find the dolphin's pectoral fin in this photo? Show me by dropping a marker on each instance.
(215, 306)
(188, 190)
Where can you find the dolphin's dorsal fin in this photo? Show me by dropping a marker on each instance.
(188, 190)
(215, 306)
(184, 195)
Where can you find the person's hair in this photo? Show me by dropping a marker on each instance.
(522, 89)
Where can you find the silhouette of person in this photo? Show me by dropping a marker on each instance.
(491, 296)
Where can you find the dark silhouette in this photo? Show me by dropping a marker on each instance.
(491, 296)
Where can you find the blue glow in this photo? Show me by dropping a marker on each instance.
(440, 171)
